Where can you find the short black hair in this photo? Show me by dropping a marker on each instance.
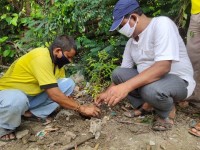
(137, 11)
(65, 42)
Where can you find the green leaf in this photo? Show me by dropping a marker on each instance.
(3, 39)
(12, 53)
(3, 16)
(6, 53)
(8, 19)
(14, 21)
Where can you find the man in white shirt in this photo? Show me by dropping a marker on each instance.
(155, 70)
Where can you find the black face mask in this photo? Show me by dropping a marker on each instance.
(61, 61)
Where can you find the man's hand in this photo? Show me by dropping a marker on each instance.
(89, 110)
(115, 94)
(100, 98)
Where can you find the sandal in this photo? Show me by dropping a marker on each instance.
(132, 114)
(195, 130)
(162, 125)
(5, 135)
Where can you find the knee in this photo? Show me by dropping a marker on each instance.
(158, 98)
(70, 82)
(116, 74)
(21, 101)
(65, 84)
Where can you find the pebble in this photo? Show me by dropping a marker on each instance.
(86, 147)
(21, 134)
(70, 134)
(2, 143)
(152, 143)
(163, 147)
(32, 139)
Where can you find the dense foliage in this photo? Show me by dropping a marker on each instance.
(28, 24)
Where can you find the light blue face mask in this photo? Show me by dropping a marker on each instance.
(127, 30)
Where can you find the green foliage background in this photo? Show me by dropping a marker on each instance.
(28, 24)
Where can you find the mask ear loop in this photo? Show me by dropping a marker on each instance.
(125, 24)
(135, 21)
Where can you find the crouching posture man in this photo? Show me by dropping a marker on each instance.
(155, 69)
(35, 85)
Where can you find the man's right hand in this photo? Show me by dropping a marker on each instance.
(89, 110)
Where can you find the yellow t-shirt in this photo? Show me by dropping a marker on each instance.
(195, 7)
(32, 73)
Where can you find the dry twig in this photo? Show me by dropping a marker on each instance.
(79, 141)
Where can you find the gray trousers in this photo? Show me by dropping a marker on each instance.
(160, 94)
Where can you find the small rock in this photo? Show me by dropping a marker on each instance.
(95, 127)
(163, 147)
(21, 134)
(64, 113)
(70, 134)
(25, 138)
(32, 139)
(173, 139)
(76, 89)
(105, 119)
(65, 140)
(55, 143)
(86, 147)
(152, 143)
(2, 143)
(112, 148)
(148, 147)
(81, 93)
(78, 77)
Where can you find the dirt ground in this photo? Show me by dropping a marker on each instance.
(113, 131)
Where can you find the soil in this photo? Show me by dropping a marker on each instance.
(117, 132)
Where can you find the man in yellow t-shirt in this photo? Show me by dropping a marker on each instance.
(35, 85)
(193, 47)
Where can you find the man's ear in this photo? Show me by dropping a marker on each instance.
(56, 51)
(134, 16)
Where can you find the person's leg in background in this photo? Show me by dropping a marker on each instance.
(193, 47)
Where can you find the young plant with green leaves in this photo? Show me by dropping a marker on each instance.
(98, 72)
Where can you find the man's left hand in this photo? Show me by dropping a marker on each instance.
(115, 94)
